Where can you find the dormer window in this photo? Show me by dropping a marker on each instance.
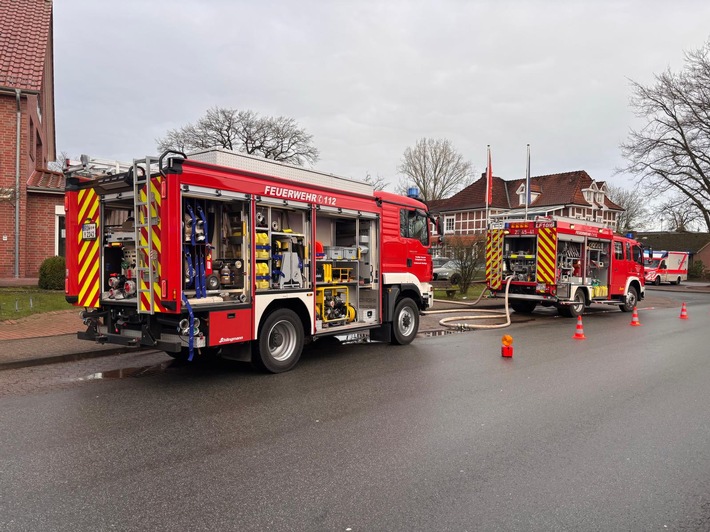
(521, 194)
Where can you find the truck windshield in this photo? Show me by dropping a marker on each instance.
(651, 263)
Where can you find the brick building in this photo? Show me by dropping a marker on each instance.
(570, 194)
(31, 196)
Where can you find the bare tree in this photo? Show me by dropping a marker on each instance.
(671, 152)
(635, 213)
(435, 167)
(469, 252)
(280, 138)
(678, 214)
(378, 182)
(58, 165)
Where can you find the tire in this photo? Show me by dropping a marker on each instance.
(523, 307)
(630, 301)
(678, 281)
(564, 311)
(280, 342)
(405, 322)
(577, 309)
(455, 279)
(657, 281)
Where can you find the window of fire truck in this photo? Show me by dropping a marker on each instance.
(414, 224)
(638, 254)
(618, 250)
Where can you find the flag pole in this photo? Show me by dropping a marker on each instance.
(527, 185)
(489, 184)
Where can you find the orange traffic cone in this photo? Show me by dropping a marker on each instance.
(635, 318)
(683, 312)
(579, 333)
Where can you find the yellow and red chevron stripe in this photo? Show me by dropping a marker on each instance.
(155, 247)
(89, 250)
(546, 255)
(494, 258)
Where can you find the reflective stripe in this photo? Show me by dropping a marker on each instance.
(89, 250)
(546, 254)
(494, 258)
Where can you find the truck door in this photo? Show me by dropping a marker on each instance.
(618, 269)
(414, 227)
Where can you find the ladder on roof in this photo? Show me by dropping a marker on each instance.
(146, 221)
(93, 167)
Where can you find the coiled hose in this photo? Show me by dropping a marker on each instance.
(455, 322)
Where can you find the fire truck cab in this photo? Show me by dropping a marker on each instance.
(563, 262)
(224, 253)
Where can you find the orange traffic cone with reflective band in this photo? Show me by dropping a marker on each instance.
(683, 312)
(579, 333)
(635, 318)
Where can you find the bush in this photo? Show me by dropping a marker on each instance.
(51, 273)
(697, 270)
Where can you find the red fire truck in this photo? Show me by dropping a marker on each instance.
(224, 253)
(563, 262)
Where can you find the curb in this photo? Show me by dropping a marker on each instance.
(68, 357)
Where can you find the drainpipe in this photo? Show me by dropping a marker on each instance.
(18, 93)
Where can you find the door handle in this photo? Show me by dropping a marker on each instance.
(409, 263)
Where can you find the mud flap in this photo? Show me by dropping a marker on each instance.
(383, 333)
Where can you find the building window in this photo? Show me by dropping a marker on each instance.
(449, 224)
(60, 236)
(31, 140)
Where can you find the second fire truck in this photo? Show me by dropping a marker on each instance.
(563, 262)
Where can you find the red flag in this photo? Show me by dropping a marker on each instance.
(489, 180)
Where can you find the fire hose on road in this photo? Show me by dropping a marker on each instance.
(456, 322)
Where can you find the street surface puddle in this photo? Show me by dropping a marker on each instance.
(125, 373)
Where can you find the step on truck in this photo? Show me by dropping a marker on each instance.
(221, 253)
(563, 262)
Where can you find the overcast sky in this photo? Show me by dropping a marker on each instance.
(369, 78)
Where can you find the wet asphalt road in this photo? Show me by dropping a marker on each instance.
(611, 432)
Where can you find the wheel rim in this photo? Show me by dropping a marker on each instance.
(406, 321)
(282, 340)
(631, 299)
(579, 303)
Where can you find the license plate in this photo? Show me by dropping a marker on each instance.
(88, 231)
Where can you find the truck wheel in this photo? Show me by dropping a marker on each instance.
(678, 281)
(280, 342)
(405, 322)
(564, 311)
(631, 300)
(523, 307)
(657, 281)
(577, 308)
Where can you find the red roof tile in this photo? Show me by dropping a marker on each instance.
(24, 35)
(46, 180)
(554, 189)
